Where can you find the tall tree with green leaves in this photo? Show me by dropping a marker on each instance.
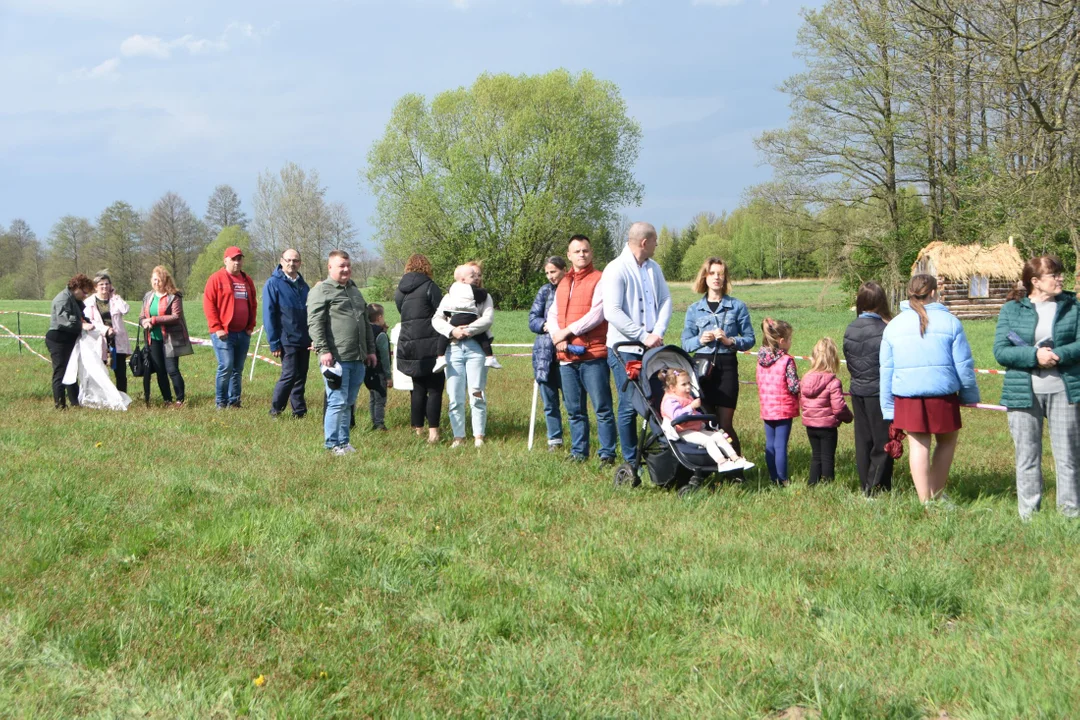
(119, 237)
(504, 172)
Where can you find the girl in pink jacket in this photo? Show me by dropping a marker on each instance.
(823, 409)
(778, 391)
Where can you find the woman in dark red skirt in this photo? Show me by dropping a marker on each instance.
(927, 372)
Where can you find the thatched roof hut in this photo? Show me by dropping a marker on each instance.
(972, 280)
(960, 262)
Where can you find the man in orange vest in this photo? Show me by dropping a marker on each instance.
(578, 329)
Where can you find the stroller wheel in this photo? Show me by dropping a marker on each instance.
(688, 489)
(625, 476)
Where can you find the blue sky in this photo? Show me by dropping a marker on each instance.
(107, 100)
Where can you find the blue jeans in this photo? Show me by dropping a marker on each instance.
(466, 374)
(579, 381)
(627, 414)
(549, 392)
(231, 352)
(339, 403)
(777, 433)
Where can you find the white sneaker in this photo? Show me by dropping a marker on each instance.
(478, 442)
(440, 363)
(493, 362)
(339, 450)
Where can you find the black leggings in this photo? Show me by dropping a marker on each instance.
(720, 394)
(822, 453)
(61, 345)
(426, 399)
(166, 368)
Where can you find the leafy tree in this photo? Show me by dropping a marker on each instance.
(211, 259)
(22, 273)
(504, 172)
(119, 239)
(223, 210)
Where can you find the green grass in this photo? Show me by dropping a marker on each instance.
(153, 563)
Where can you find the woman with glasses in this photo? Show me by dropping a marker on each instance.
(105, 310)
(1037, 342)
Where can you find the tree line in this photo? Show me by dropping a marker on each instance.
(290, 209)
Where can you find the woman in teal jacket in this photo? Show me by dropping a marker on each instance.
(1037, 341)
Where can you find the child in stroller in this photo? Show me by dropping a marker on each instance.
(679, 401)
(671, 460)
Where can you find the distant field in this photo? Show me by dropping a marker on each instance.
(156, 563)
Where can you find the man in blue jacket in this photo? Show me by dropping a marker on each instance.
(285, 318)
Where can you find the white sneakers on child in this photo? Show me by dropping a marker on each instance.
(492, 362)
(440, 364)
(733, 464)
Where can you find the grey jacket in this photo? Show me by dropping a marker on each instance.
(67, 313)
(337, 321)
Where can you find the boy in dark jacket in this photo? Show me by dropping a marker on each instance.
(378, 378)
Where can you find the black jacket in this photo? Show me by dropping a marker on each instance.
(862, 345)
(417, 298)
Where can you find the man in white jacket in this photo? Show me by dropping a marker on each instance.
(637, 307)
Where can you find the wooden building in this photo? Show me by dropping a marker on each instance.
(972, 280)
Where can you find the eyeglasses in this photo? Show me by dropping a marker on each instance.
(1053, 276)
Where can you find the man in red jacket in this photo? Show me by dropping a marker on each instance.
(230, 304)
(578, 329)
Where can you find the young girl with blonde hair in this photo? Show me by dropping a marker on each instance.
(823, 409)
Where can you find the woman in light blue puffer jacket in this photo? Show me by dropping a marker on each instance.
(927, 372)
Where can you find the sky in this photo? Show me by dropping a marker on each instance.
(106, 100)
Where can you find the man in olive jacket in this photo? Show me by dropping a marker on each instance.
(342, 338)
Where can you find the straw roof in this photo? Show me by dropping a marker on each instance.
(960, 262)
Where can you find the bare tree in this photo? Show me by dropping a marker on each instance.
(291, 211)
(171, 235)
(69, 245)
(223, 210)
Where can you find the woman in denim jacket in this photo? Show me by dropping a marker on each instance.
(716, 327)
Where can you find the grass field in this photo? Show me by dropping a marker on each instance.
(199, 564)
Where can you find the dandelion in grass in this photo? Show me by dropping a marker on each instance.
(97, 445)
(259, 681)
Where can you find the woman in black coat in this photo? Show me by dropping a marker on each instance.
(862, 343)
(417, 298)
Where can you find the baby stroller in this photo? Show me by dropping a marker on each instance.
(670, 462)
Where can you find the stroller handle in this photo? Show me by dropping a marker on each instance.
(616, 347)
(628, 343)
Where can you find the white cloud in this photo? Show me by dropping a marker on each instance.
(155, 47)
(106, 69)
(152, 46)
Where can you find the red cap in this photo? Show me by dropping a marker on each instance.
(232, 252)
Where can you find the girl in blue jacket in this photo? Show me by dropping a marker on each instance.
(927, 372)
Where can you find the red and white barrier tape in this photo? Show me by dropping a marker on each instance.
(4, 328)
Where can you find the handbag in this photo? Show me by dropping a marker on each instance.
(141, 361)
(704, 364)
